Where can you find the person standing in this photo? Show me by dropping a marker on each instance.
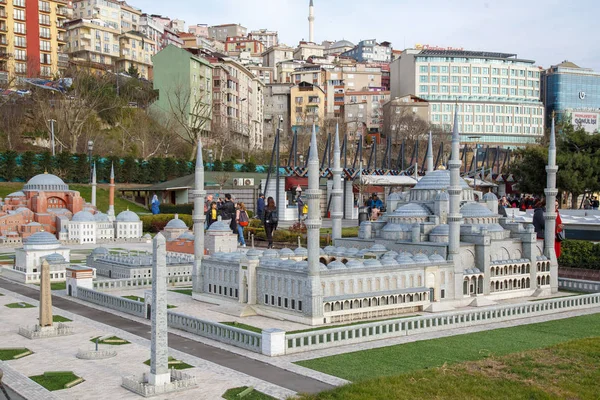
(300, 204)
(538, 219)
(260, 206)
(595, 203)
(211, 215)
(558, 230)
(227, 211)
(270, 220)
(155, 205)
(242, 220)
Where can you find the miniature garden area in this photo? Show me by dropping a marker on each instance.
(556, 359)
(14, 354)
(57, 380)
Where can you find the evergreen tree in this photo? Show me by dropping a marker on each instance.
(183, 167)
(9, 165)
(228, 166)
(130, 172)
(27, 165)
(45, 163)
(65, 166)
(217, 165)
(82, 172)
(170, 168)
(156, 172)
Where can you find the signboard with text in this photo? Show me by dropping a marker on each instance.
(585, 120)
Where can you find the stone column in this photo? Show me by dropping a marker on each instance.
(550, 216)
(454, 217)
(94, 185)
(199, 218)
(337, 212)
(430, 166)
(111, 195)
(159, 351)
(45, 296)
(314, 296)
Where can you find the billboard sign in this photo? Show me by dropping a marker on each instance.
(585, 120)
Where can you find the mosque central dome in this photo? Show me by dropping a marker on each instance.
(46, 182)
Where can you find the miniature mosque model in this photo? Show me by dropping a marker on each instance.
(436, 249)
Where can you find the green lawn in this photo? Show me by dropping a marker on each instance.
(183, 291)
(410, 357)
(565, 371)
(173, 363)
(141, 300)
(10, 354)
(232, 394)
(19, 305)
(113, 341)
(351, 231)
(56, 285)
(320, 328)
(55, 380)
(60, 318)
(243, 326)
(7, 188)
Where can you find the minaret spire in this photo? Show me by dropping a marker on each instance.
(111, 194)
(429, 154)
(454, 217)
(337, 213)
(198, 217)
(311, 22)
(94, 185)
(550, 215)
(313, 296)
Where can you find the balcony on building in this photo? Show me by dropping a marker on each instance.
(3, 40)
(3, 13)
(3, 27)
(61, 11)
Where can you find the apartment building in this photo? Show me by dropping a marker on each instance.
(276, 54)
(94, 42)
(157, 29)
(264, 74)
(31, 39)
(277, 104)
(307, 107)
(338, 47)
(498, 94)
(135, 52)
(184, 84)
(222, 32)
(307, 49)
(285, 69)
(236, 45)
(199, 30)
(238, 102)
(267, 38)
(364, 109)
(370, 51)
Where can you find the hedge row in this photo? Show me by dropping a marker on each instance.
(580, 254)
(75, 168)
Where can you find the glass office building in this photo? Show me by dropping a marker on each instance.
(569, 91)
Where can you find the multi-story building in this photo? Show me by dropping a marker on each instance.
(108, 11)
(370, 51)
(267, 38)
(94, 42)
(135, 53)
(365, 108)
(307, 49)
(236, 45)
(399, 113)
(338, 48)
(31, 38)
(222, 32)
(285, 69)
(276, 54)
(238, 105)
(277, 105)
(130, 17)
(199, 30)
(498, 94)
(572, 92)
(264, 74)
(184, 84)
(178, 25)
(307, 107)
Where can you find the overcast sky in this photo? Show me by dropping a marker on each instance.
(545, 31)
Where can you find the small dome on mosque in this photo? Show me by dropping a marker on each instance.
(176, 223)
(474, 210)
(127, 216)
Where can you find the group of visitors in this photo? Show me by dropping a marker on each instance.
(590, 203)
(233, 214)
(374, 207)
(269, 216)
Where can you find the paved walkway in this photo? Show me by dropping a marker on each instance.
(248, 366)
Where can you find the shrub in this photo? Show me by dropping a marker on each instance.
(156, 223)
(217, 165)
(187, 209)
(228, 166)
(580, 254)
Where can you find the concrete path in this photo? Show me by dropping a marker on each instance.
(248, 366)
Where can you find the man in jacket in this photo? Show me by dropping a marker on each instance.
(227, 211)
(260, 206)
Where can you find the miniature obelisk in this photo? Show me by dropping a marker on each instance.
(45, 296)
(198, 217)
(159, 353)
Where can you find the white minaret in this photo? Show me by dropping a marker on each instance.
(94, 185)
(313, 307)
(550, 215)
(429, 155)
(337, 212)
(454, 217)
(111, 195)
(198, 217)
(311, 22)
(159, 345)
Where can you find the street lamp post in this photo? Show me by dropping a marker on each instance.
(476, 140)
(52, 121)
(90, 149)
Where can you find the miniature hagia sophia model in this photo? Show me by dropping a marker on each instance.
(436, 249)
(46, 204)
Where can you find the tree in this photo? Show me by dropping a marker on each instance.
(228, 166)
(27, 165)
(9, 165)
(526, 170)
(12, 121)
(133, 71)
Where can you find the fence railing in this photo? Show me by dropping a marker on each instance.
(579, 285)
(113, 302)
(307, 341)
(213, 330)
(116, 284)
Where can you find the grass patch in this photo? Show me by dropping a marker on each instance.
(173, 363)
(566, 371)
(55, 380)
(232, 394)
(243, 326)
(19, 305)
(187, 292)
(320, 328)
(351, 231)
(58, 286)
(409, 357)
(60, 318)
(113, 341)
(11, 354)
(141, 300)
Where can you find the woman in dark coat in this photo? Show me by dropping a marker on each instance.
(538, 219)
(270, 220)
